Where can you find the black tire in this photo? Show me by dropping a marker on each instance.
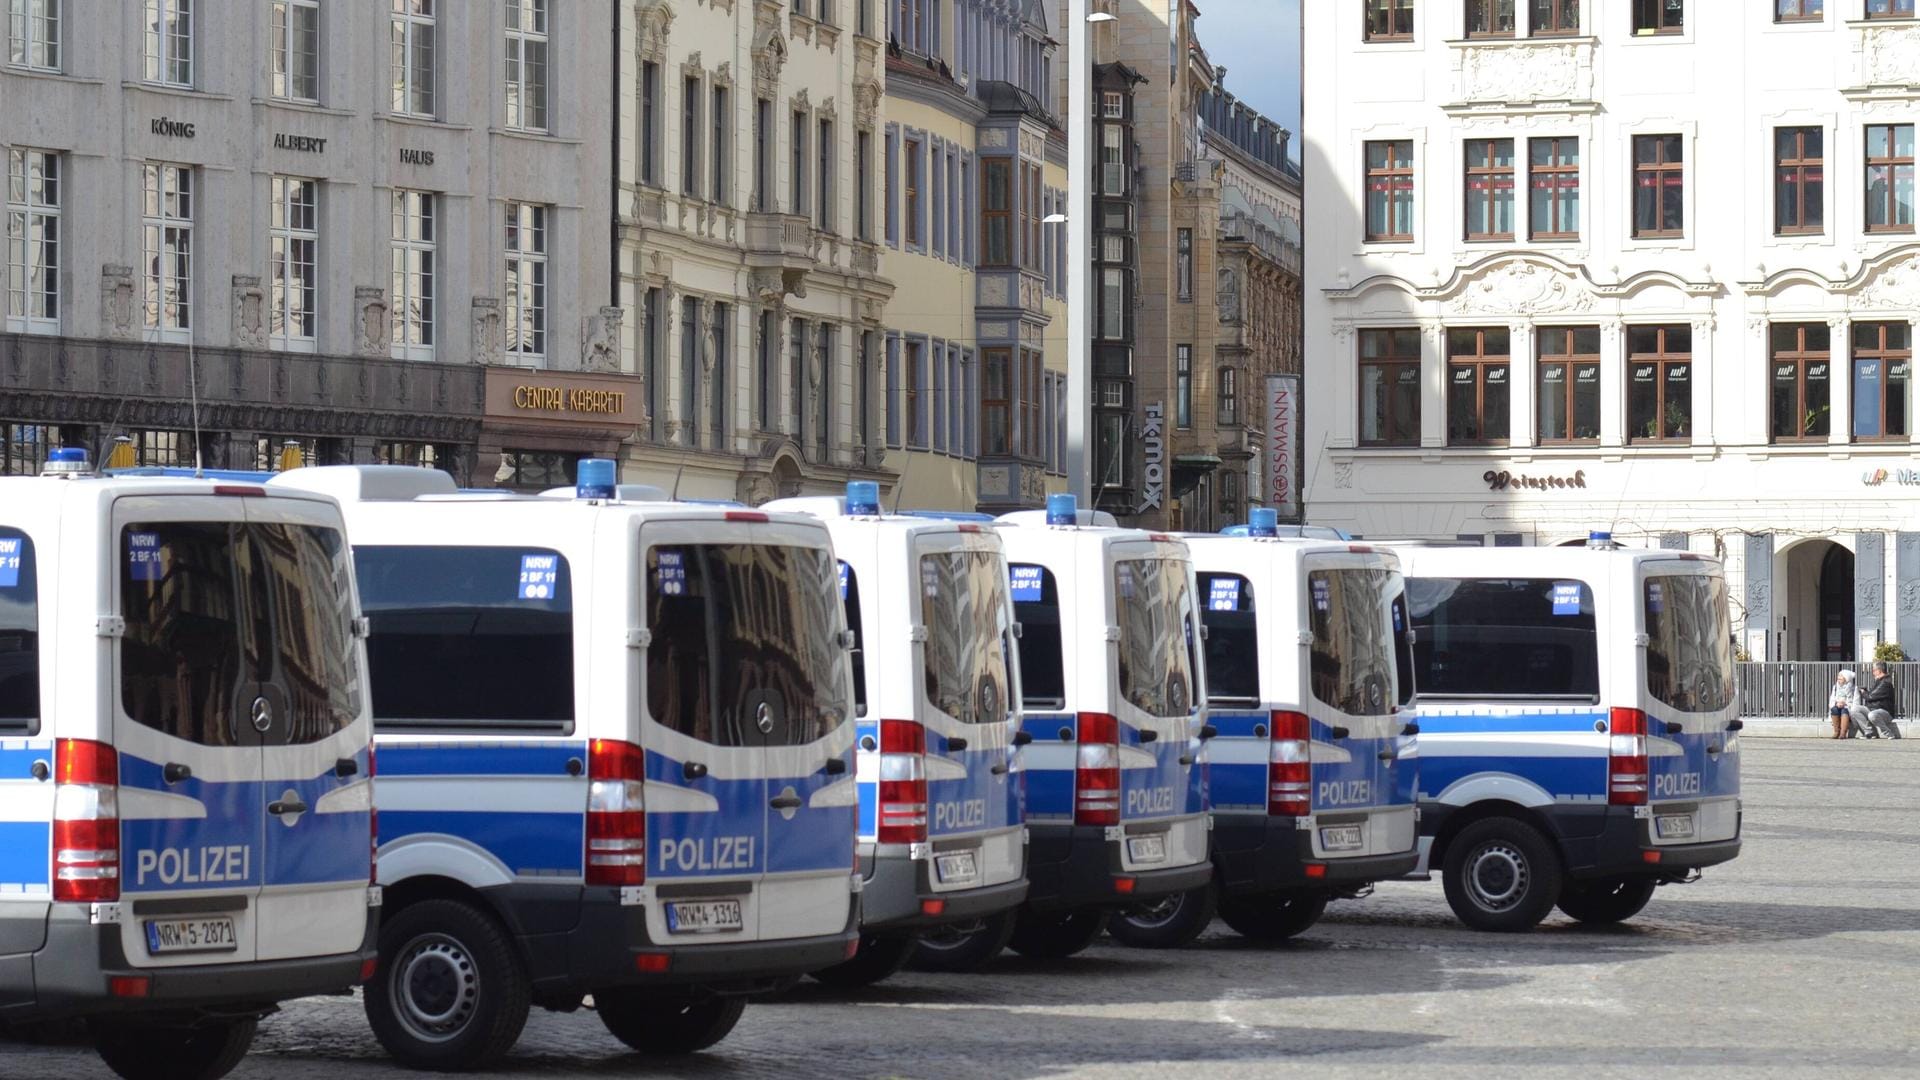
(206, 1051)
(963, 947)
(667, 1027)
(1607, 900)
(878, 958)
(1172, 922)
(1056, 935)
(450, 994)
(1501, 875)
(1274, 917)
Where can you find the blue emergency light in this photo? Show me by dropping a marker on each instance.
(1598, 539)
(1263, 521)
(863, 498)
(67, 461)
(1063, 509)
(596, 479)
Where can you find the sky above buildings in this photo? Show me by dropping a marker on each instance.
(1259, 43)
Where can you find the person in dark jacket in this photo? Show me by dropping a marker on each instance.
(1880, 699)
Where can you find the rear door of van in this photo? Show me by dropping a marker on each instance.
(1687, 693)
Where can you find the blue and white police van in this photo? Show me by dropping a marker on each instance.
(1579, 733)
(616, 751)
(185, 762)
(1113, 692)
(943, 846)
(1312, 772)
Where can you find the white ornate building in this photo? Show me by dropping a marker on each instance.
(1650, 267)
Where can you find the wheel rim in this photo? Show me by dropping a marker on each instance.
(435, 988)
(1497, 877)
(952, 936)
(1156, 914)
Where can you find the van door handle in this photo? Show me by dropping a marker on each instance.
(786, 802)
(693, 770)
(1022, 738)
(1148, 735)
(999, 769)
(174, 772)
(1673, 728)
(1410, 729)
(1208, 731)
(1186, 759)
(279, 807)
(346, 766)
(1386, 755)
(1736, 725)
(956, 744)
(1341, 733)
(836, 766)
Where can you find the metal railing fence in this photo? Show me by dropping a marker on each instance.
(1801, 689)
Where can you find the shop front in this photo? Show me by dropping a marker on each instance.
(539, 424)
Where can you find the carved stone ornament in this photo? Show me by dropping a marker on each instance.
(723, 75)
(709, 339)
(117, 310)
(866, 103)
(1343, 475)
(1909, 598)
(769, 56)
(1890, 54)
(1895, 286)
(655, 24)
(802, 102)
(600, 347)
(373, 330)
(690, 67)
(1521, 288)
(249, 313)
(488, 329)
(1526, 72)
(769, 287)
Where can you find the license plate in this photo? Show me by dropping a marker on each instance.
(705, 917)
(190, 935)
(1342, 838)
(1147, 848)
(1673, 826)
(958, 867)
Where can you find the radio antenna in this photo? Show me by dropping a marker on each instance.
(193, 391)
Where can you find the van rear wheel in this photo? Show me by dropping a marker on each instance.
(1607, 900)
(1274, 917)
(963, 947)
(450, 995)
(878, 958)
(1056, 935)
(206, 1051)
(1172, 922)
(667, 1027)
(1501, 875)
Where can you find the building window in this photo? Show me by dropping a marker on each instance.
(996, 213)
(1659, 383)
(1030, 218)
(916, 156)
(24, 448)
(1798, 180)
(1658, 16)
(526, 280)
(1113, 106)
(764, 378)
(1390, 190)
(823, 433)
(1183, 265)
(1882, 372)
(415, 244)
(1029, 404)
(168, 39)
(797, 166)
(1113, 303)
(411, 35)
(892, 391)
(797, 380)
(690, 137)
(1478, 391)
(296, 49)
(916, 395)
(863, 181)
(718, 400)
(1389, 20)
(650, 123)
(824, 187)
(937, 388)
(167, 244)
(994, 402)
(721, 145)
(293, 250)
(33, 241)
(1801, 391)
(1890, 177)
(1569, 389)
(1658, 186)
(1553, 181)
(162, 449)
(653, 331)
(893, 186)
(1489, 18)
(1390, 387)
(1889, 9)
(1489, 186)
(863, 397)
(690, 371)
(1183, 386)
(422, 455)
(1555, 18)
(1785, 11)
(956, 399)
(762, 155)
(33, 34)
(1113, 160)
(1229, 396)
(527, 65)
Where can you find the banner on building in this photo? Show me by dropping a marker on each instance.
(1283, 463)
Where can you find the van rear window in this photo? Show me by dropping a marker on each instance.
(966, 648)
(19, 635)
(468, 637)
(1036, 606)
(1157, 635)
(1351, 664)
(745, 648)
(1233, 639)
(1689, 642)
(1504, 638)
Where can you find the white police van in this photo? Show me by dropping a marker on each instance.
(942, 833)
(185, 770)
(616, 748)
(1579, 733)
(1112, 685)
(1311, 776)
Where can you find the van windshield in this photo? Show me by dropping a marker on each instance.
(1504, 638)
(1036, 604)
(1350, 613)
(19, 634)
(738, 627)
(1157, 631)
(966, 623)
(1689, 642)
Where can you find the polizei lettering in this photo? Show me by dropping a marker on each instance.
(707, 853)
(193, 866)
(1675, 784)
(1150, 801)
(965, 814)
(1346, 793)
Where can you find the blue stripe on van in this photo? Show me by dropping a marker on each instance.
(17, 763)
(25, 854)
(530, 844)
(1561, 777)
(480, 759)
(1464, 723)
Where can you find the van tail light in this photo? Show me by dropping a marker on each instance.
(86, 822)
(1096, 774)
(1290, 765)
(373, 820)
(616, 813)
(1627, 757)
(903, 782)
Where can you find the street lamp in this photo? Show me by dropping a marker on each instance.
(1079, 221)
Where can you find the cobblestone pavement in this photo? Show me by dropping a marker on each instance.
(1801, 958)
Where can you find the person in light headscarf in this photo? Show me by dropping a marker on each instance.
(1846, 694)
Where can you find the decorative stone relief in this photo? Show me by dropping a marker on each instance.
(600, 347)
(655, 24)
(1890, 54)
(1895, 286)
(866, 103)
(994, 291)
(1521, 288)
(249, 313)
(1343, 475)
(802, 101)
(691, 66)
(1869, 573)
(800, 26)
(709, 339)
(1543, 71)
(373, 330)
(488, 329)
(117, 310)
(995, 138)
(723, 75)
